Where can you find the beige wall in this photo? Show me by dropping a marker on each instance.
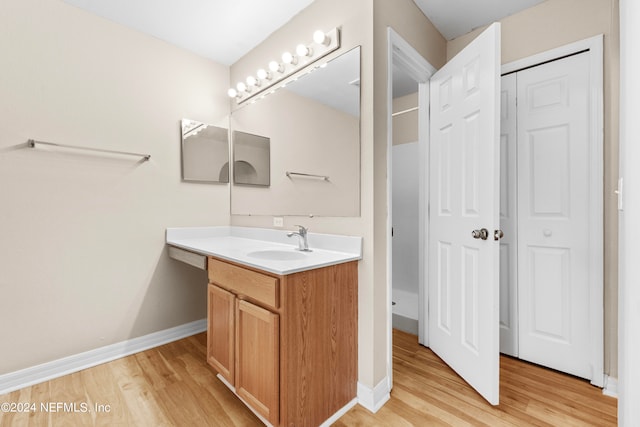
(360, 26)
(82, 260)
(405, 126)
(551, 24)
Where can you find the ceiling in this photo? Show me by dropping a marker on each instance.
(336, 84)
(225, 30)
(454, 18)
(221, 30)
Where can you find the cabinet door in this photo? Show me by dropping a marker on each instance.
(257, 359)
(221, 330)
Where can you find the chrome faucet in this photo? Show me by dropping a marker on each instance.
(303, 244)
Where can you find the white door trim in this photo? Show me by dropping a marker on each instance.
(596, 140)
(629, 212)
(400, 52)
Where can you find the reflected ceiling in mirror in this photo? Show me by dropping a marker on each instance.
(335, 84)
(313, 124)
(205, 152)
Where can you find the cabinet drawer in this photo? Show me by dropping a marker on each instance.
(257, 286)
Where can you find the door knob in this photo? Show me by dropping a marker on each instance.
(497, 234)
(483, 234)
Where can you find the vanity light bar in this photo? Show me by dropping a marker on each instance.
(323, 44)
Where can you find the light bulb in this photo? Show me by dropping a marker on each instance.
(232, 93)
(263, 74)
(303, 50)
(251, 81)
(242, 87)
(288, 58)
(276, 67)
(321, 38)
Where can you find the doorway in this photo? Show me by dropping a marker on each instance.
(471, 82)
(408, 75)
(404, 205)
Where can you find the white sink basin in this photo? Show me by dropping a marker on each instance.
(277, 255)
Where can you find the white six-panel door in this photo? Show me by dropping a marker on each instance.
(553, 222)
(463, 282)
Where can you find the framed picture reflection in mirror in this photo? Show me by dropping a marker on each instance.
(251, 159)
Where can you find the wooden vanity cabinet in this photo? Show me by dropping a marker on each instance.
(257, 359)
(287, 344)
(243, 337)
(221, 331)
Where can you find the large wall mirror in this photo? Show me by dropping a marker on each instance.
(313, 128)
(205, 152)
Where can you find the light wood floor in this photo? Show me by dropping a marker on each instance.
(172, 385)
(426, 392)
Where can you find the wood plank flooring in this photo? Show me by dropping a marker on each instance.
(172, 385)
(427, 392)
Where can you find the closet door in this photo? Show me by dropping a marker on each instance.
(508, 217)
(553, 215)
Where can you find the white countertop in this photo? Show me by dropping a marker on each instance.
(240, 244)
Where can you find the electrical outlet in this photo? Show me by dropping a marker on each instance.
(278, 221)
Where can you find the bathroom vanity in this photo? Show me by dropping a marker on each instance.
(282, 324)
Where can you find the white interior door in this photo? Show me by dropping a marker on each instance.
(464, 196)
(553, 223)
(508, 217)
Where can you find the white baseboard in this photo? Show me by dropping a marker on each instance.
(610, 386)
(77, 362)
(374, 398)
(332, 419)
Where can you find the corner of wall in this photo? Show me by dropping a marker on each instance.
(374, 398)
